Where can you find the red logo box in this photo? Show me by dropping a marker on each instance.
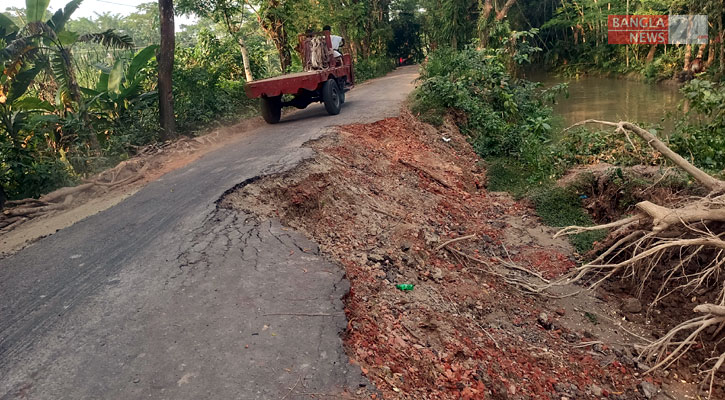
(638, 29)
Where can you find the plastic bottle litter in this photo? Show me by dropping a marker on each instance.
(406, 287)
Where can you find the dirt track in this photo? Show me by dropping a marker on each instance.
(166, 296)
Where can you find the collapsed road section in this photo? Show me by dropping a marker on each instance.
(442, 271)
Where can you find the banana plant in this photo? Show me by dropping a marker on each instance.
(119, 86)
(49, 44)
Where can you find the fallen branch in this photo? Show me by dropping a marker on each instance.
(573, 230)
(701, 176)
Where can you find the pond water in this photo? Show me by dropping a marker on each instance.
(612, 100)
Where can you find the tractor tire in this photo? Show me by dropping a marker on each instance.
(331, 97)
(271, 109)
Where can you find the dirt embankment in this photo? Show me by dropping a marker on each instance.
(399, 202)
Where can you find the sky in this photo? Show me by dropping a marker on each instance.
(89, 7)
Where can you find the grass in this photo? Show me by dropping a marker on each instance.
(556, 206)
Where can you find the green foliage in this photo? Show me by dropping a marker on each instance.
(54, 131)
(141, 25)
(576, 38)
(700, 136)
(664, 67)
(208, 86)
(35, 9)
(372, 67)
(586, 146)
(406, 26)
(502, 115)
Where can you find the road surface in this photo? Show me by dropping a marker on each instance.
(166, 296)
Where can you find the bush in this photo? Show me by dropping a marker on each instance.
(32, 170)
(663, 67)
(208, 88)
(503, 116)
(372, 67)
(700, 136)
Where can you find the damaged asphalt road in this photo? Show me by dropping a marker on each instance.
(167, 296)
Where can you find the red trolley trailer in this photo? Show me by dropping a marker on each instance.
(325, 79)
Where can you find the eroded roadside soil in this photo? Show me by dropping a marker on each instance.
(386, 200)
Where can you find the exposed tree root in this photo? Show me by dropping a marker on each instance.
(681, 248)
(20, 211)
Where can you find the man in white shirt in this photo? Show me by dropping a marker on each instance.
(337, 42)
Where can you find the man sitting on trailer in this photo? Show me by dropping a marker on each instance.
(337, 42)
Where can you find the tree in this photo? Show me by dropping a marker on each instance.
(273, 17)
(231, 14)
(484, 19)
(166, 68)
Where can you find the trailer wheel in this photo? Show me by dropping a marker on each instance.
(331, 97)
(271, 109)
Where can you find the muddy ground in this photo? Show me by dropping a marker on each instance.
(400, 202)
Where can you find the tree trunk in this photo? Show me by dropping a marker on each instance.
(710, 56)
(483, 22)
(285, 57)
(245, 60)
(234, 31)
(651, 54)
(688, 57)
(486, 9)
(722, 46)
(505, 10)
(701, 51)
(165, 59)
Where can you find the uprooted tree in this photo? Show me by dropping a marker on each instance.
(677, 248)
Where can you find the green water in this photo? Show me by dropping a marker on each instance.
(613, 100)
